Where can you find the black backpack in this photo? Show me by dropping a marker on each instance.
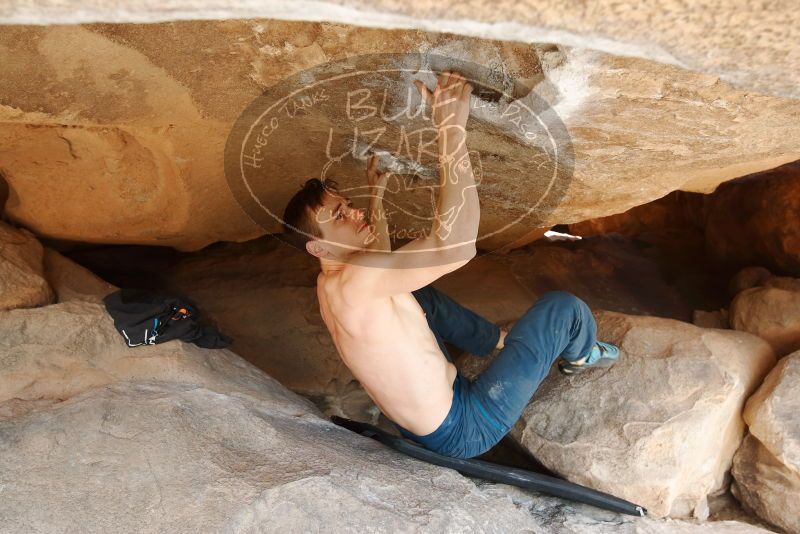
(147, 318)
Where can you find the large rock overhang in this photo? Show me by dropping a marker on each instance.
(116, 132)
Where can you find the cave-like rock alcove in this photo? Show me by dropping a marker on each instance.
(645, 160)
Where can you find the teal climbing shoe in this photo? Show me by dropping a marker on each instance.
(602, 355)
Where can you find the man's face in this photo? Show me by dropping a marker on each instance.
(344, 228)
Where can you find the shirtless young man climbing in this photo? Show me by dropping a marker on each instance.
(389, 324)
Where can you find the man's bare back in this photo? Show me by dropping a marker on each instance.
(387, 345)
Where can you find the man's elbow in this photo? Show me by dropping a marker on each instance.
(471, 251)
(457, 257)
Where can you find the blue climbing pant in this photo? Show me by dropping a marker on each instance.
(483, 411)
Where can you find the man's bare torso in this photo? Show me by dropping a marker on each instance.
(387, 345)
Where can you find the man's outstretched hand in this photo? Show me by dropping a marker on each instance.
(378, 237)
(449, 101)
(375, 179)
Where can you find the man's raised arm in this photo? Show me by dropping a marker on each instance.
(455, 225)
(451, 240)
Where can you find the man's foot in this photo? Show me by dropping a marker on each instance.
(602, 355)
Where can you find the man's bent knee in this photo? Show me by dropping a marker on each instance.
(561, 299)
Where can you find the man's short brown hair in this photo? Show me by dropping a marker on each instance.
(299, 226)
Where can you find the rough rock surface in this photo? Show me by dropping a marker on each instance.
(607, 272)
(740, 42)
(61, 350)
(766, 469)
(564, 518)
(70, 281)
(771, 313)
(172, 457)
(747, 278)
(155, 457)
(765, 486)
(22, 280)
(661, 426)
(134, 127)
(4, 192)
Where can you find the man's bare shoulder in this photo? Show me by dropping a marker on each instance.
(357, 309)
(330, 283)
(334, 289)
(345, 286)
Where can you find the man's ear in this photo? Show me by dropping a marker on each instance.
(316, 249)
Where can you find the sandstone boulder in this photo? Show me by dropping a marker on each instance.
(22, 280)
(179, 438)
(770, 313)
(661, 426)
(766, 468)
(167, 457)
(150, 457)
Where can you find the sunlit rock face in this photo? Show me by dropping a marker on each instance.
(771, 313)
(117, 133)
